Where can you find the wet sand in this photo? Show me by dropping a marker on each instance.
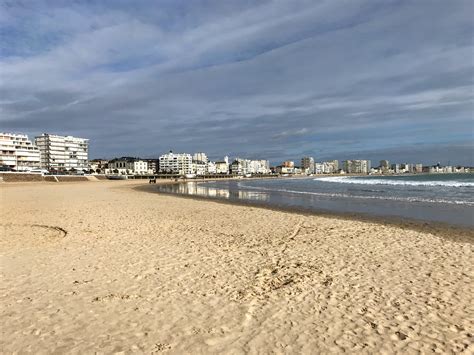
(101, 266)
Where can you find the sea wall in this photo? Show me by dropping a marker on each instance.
(27, 177)
(68, 178)
(20, 177)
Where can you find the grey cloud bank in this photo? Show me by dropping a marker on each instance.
(334, 79)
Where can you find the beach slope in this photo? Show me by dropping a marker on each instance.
(99, 266)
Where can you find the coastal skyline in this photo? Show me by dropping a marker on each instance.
(333, 80)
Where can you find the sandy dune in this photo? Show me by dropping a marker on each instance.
(98, 266)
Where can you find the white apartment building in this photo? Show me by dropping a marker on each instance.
(239, 166)
(211, 167)
(327, 167)
(176, 163)
(199, 168)
(332, 166)
(281, 169)
(258, 167)
(63, 152)
(356, 166)
(18, 152)
(202, 157)
(307, 164)
(246, 166)
(318, 168)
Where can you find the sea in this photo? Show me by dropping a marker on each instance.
(446, 198)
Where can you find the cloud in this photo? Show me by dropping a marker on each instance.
(275, 79)
(291, 133)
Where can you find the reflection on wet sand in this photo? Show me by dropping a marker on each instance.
(199, 189)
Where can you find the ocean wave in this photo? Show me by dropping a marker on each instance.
(377, 181)
(343, 195)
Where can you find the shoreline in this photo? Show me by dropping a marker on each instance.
(440, 228)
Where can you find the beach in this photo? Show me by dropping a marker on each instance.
(106, 267)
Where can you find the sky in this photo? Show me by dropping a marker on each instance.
(272, 80)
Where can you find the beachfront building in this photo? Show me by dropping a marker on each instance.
(284, 170)
(264, 167)
(202, 157)
(287, 167)
(307, 164)
(211, 167)
(120, 166)
(384, 166)
(318, 168)
(326, 167)
(63, 153)
(246, 166)
(411, 168)
(239, 166)
(356, 166)
(200, 164)
(330, 167)
(172, 163)
(99, 166)
(448, 169)
(258, 167)
(405, 168)
(460, 169)
(222, 167)
(129, 165)
(17, 152)
(199, 168)
(152, 165)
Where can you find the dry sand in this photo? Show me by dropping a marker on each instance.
(101, 267)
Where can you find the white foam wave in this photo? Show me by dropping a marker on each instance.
(378, 181)
(343, 195)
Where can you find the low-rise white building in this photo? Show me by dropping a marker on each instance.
(222, 167)
(18, 152)
(281, 169)
(172, 163)
(126, 166)
(99, 166)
